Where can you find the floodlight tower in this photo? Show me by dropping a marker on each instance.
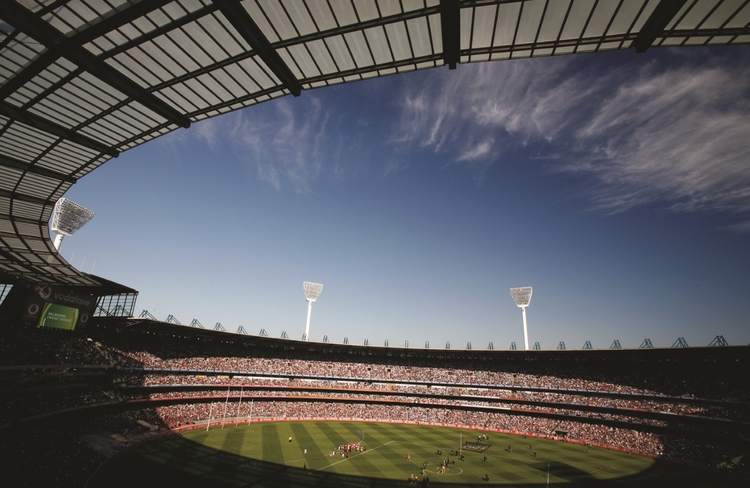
(67, 218)
(312, 292)
(522, 297)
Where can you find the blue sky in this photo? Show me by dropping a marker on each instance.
(617, 185)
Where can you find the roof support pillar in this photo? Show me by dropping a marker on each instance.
(655, 25)
(450, 24)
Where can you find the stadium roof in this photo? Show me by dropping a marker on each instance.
(84, 80)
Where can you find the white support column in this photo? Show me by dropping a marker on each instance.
(522, 297)
(312, 292)
(525, 329)
(307, 327)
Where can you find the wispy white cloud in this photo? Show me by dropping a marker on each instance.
(680, 137)
(283, 142)
(482, 149)
(671, 131)
(477, 113)
(741, 227)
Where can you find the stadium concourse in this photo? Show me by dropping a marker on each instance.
(73, 398)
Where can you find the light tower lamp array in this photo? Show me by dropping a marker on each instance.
(522, 297)
(312, 292)
(68, 217)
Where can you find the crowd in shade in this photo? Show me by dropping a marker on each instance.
(48, 347)
(65, 453)
(49, 457)
(162, 385)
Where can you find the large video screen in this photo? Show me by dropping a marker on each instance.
(59, 308)
(59, 317)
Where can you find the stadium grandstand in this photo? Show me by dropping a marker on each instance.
(83, 81)
(88, 394)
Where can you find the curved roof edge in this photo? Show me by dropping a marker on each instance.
(77, 90)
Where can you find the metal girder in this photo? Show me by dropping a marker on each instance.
(26, 198)
(655, 25)
(249, 30)
(42, 124)
(450, 23)
(680, 342)
(9, 162)
(102, 27)
(146, 315)
(60, 46)
(132, 13)
(22, 220)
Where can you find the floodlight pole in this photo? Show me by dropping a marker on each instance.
(68, 217)
(312, 292)
(525, 329)
(307, 327)
(58, 241)
(522, 297)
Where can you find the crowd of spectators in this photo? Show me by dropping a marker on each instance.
(29, 403)
(49, 346)
(528, 399)
(531, 397)
(367, 395)
(218, 412)
(175, 351)
(48, 458)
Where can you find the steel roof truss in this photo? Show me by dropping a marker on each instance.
(249, 30)
(656, 23)
(61, 46)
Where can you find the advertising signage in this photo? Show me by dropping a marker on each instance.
(59, 308)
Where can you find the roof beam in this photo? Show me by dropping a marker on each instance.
(25, 198)
(60, 46)
(9, 162)
(249, 30)
(103, 26)
(122, 17)
(23, 220)
(40, 123)
(450, 25)
(655, 25)
(724, 32)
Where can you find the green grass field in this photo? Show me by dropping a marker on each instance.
(260, 455)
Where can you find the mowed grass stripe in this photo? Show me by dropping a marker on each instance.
(329, 438)
(234, 441)
(273, 461)
(387, 431)
(417, 441)
(271, 444)
(335, 434)
(378, 461)
(367, 463)
(308, 438)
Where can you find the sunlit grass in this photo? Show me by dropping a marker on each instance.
(260, 454)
